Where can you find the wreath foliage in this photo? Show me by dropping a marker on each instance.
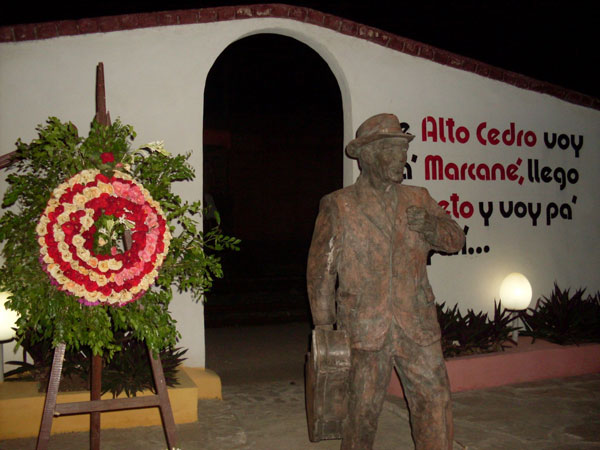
(191, 264)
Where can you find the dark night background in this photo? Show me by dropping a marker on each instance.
(273, 120)
(552, 40)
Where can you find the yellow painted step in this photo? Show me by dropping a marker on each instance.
(21, 407)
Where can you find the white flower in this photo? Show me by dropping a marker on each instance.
(156, 146)
(86, 221)
(78, 240)
(79, 200)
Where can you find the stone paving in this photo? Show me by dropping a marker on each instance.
(273, 417)
(557, 414)
(548, 415)
(263, 407)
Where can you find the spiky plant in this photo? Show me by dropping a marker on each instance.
(564, 318)
(473, 333)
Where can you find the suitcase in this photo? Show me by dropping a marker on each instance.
(327, 375)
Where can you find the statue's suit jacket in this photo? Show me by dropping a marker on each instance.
(367, 270)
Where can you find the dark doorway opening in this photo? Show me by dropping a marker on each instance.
(273, 146)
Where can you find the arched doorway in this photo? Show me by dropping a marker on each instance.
(273, 146)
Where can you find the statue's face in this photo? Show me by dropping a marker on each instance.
(386, 159)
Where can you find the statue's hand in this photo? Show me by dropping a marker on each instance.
(420, 220)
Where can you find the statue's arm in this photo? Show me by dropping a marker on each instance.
(437, 227)
(322, 264)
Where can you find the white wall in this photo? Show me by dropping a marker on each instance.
(155, 81)
(567, 250)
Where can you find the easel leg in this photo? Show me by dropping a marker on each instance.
(166, 413)
(96, 390)
(50, 403)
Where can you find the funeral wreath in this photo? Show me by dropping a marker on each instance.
(95, 239)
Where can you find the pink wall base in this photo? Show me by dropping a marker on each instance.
(526, 362)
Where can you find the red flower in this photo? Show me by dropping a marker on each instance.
(101, 202)
(67, 197)
(90, 285)
(107, 157)
(102, 178)
(140, 227)
(88, 244)
(122, 203)
(110, 208)
(106, 290)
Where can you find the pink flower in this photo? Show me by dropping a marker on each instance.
(151, 238)
(151, 220)
(145, 255)
(121, 189)
(136, 195)
(119, 278)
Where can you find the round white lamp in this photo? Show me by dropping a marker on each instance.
(515, 292)
(8, 319)
(515, 295)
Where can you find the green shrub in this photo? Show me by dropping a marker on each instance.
(473, 333)
(128, 371)
(563, 318)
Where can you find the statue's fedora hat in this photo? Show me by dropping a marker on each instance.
(377, 127)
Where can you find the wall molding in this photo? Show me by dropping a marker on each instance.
(107, 24)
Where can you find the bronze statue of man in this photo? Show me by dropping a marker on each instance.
(367, 276)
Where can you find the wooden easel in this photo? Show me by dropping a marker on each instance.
(95, 405)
